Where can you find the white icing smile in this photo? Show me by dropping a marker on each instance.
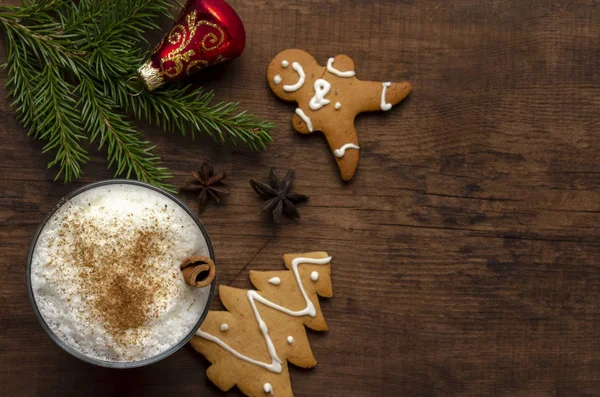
(384, 105)
(301, 77)
(253, 297)
(339, 153)
(305, 118)
(322, 88)
(331, 69)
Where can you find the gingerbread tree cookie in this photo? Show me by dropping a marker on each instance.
(250, 344)
(329, 98)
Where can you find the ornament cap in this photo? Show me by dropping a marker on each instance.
(150, 76)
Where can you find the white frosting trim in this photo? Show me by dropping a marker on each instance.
(301, 77)
(331, 69)
(305, 118)
(339, 153)
(384, 105)
(268, 388)
(322, 88)
(253, 296)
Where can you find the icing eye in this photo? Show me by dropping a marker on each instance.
(285, 63)
(277, 79)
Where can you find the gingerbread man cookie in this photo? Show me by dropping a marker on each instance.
(329, 98)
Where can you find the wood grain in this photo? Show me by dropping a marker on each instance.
(466, 249)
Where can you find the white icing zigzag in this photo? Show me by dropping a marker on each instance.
(253, 296)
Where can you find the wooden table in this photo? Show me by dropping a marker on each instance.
(466, 249)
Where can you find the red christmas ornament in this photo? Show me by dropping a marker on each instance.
(206, 32)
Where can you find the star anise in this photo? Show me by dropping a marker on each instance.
(277, 194)
(207, 184)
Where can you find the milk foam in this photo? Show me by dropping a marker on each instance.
(56, 276)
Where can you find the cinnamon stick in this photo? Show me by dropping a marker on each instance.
(198, 271)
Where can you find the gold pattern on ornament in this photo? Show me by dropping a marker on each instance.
(211, 37)
(220, 59)
(196, 65)
(178, 35)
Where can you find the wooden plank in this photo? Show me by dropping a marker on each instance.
(466, 249)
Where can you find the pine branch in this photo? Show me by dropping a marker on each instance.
(59, 123)
(33, 8)
(125, 148)
(184, 110)
(130, 17)
(21, 81)
(39, 42)
(113, 40)
(68, 67)
(49, 114)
